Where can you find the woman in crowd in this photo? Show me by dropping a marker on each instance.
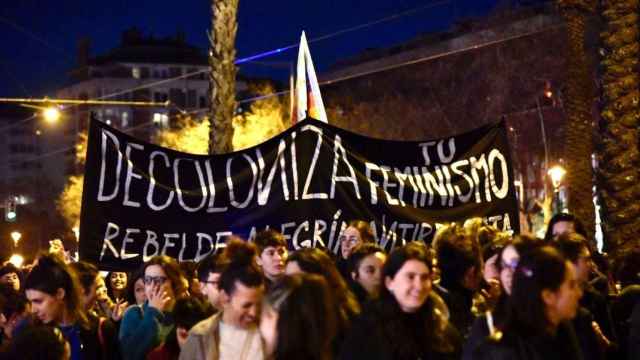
(55, 296)
(544, 298)
(135, 289)
(316, 261)
(145, 327)
(117, 285)
(190, 272)
(14, 307)
(506, 264)
(38, 342)
(297, 321)
(562, 223)
(107, 326)
(365, 264)
(9, 274)
(403, 323)
(356, 233)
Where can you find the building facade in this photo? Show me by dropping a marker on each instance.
(509, 66)
(141, 69)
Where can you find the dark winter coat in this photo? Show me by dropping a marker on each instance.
(563, 346)
(459, 301)
(384, 332)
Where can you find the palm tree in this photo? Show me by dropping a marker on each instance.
(222, 56)
(619, 157)
(578, 105)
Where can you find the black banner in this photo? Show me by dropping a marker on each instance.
(140, 200)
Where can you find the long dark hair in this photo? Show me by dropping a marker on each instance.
(316, 261)
(51, 274)
(307, 323)
(36, 342)
(359, 253)
(577, 225)
(427, 330)
(523, 244)
(543, 268)
(457, 252)
(110, 291)
(131, 285)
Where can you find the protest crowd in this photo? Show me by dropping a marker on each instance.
(474, 293)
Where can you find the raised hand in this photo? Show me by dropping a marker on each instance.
(118, 309)
(159, 298)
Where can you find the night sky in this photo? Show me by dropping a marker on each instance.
(39, 36)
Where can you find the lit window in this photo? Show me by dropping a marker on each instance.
(161, 120)
(125, 119)
(135, 72)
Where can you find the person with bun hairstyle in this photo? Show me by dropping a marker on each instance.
(232, 333)
(55, 296)
(145, 326)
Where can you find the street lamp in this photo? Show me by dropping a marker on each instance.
(76, 232)
(51, 114)
(16, 236)
(17, 260)
(556, 174)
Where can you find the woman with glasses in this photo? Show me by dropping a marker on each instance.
(506, 264)
(145, 327)
(542, 302)
(357, 233)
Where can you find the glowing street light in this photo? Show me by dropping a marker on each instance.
(16, 236)
(51, 114)
(17, 260)
(556, 174)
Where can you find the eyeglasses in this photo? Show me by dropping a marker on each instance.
(350, 241)
(214, 283)
(512, 265)
(155, 280)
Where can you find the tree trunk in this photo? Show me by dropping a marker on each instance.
(619, 158)
(578, 103)
(222, 86)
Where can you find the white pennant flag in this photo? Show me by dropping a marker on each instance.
(308, 101)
